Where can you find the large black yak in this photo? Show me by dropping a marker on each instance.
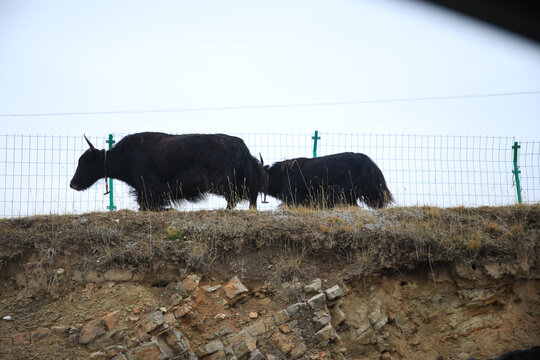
(328, 181)
(163, 168)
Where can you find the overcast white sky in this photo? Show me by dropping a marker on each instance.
(125, 55)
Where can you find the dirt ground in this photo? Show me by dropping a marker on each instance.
(419, 283)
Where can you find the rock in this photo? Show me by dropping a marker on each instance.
(169, 318)
(91, 331)
(182, 311)
(315, 286)
(338, 316)
(7, 318)
(240, 349)
(317, 301)
(298, 350)
(494, 270)
(6, 346)
(92, 276)
(221, 316)
(321, 321)
(210, 348)
(229, 352)
(283, 342)
(415, 340)
(251, 341)
(234, 288)
(295, 309)
(60, 330)
(333, 293)
(191, 282)
(256, 355)
(210, 289)
(114, 350)
(326, 334)
(151, 322)
(260, 327)
(479, 322)
(21, 339)
(376, 319)
(220, 355)
(98, 355)
(149, 350)
(83, 221)
(120, 357)
(363, 333)
(118, 275)
(253, 315)
(111, 319)
(175, 340)
(218, 334)
(39, 334)
(475, 295)
(73, 339)
(285, 328)
(281, 317)
(176, 299)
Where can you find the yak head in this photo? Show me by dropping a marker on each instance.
(90, 169)
(276, 174)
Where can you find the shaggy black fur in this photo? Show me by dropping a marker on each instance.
(327, 181)
(163, 168)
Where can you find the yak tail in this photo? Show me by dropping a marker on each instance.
(373, 189)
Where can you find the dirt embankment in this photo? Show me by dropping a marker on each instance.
(401, 283)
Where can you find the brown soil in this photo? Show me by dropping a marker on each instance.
(430, 283)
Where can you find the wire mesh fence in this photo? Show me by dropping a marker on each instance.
(435, 170)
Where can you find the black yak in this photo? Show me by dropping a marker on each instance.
(164, 169)
(328, 181)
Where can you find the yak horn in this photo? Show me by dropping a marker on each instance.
(89, 143)
(262, 162)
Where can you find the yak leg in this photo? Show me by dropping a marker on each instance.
(151, 201)
(253, 199)
(231, 202)
(231, 197)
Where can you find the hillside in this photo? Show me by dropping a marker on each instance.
(399, 283)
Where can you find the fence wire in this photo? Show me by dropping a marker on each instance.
(435, 170)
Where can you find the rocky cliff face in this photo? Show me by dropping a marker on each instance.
(173, 286)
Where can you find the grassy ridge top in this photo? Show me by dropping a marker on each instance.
(362, 241)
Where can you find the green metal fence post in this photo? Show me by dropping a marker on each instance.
(516, 171)
(111, 206)
(315, 138)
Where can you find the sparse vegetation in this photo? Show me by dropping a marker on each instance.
(388, 238)
(72, 269)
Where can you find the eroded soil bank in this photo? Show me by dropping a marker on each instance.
(402, 283)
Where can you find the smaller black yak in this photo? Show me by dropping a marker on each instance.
(164, 169)
(328, 181)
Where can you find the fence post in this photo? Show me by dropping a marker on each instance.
(516, 171)
(111, 206)
(315, 138)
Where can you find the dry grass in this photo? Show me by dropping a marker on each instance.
(362, 240)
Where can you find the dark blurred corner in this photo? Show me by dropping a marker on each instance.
(519, 16)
